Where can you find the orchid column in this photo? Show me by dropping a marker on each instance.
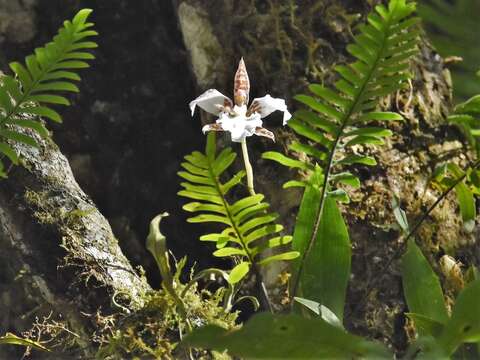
(236, 118)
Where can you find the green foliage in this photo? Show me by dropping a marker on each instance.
(451, 27)
(286, 337)
(425, 301)
(248, 230)
(32, 92)
(325, 313)
(332, 123)
(464, 325)
(421, 286)
(467, 117)
(11, 339)
(333, 119)
(157, 245)
(449, 175)
(327, 269)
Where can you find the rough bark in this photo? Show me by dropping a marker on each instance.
(54, 236)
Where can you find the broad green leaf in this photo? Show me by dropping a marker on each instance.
(316, 121)
(464, 325)
(49, 99)
(9, 152)
(290, 255)
(223, 161)
(228, 251)
(471, 106)
(245, 203)
(22, 73)
(370, 131)
(328, 95)
(465, 198)
(321, 310)
(11, 339)
(285, 160)
(339, 195)
(43, 111)
(305, 222)
(326, 267)
(257, 221)
(309, 132)
(238, 272)
(320, 107)
(197, 206)
(426, 325)
(294, 183)
(308, 150)
(157, 245)
(357, 159)
(309, 304)
(209, 218)
(263, 231)
(472, 274)
(55, 86)
(361, 140)
(18, 137)
(400, 216)
(426, 348)
(381, 116)
(466, 202)
(421, 286)
(346, 178)
(285, 337)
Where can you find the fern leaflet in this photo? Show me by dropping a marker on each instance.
(332, 122)
(450, 25)
(50, 70)
(249, 229)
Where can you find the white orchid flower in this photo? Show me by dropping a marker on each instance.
(234, 116)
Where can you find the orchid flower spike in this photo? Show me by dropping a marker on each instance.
(234, 116)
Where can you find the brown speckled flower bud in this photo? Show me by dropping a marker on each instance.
(241, 85)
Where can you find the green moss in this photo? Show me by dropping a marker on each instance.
(43, 212)
(48, 214)
(156, 329)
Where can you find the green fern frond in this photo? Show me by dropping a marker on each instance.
(34, 89)
(335, 119)
(450, 26)
(467, 117)
(248, 229)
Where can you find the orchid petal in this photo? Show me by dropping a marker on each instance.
(260, 131)
(267, 104)
(239, 126)
(212, 127)
(212, 101)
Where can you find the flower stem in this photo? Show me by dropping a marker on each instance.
(248, 167)
(258, 275)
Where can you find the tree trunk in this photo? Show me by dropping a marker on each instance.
(130, 127)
